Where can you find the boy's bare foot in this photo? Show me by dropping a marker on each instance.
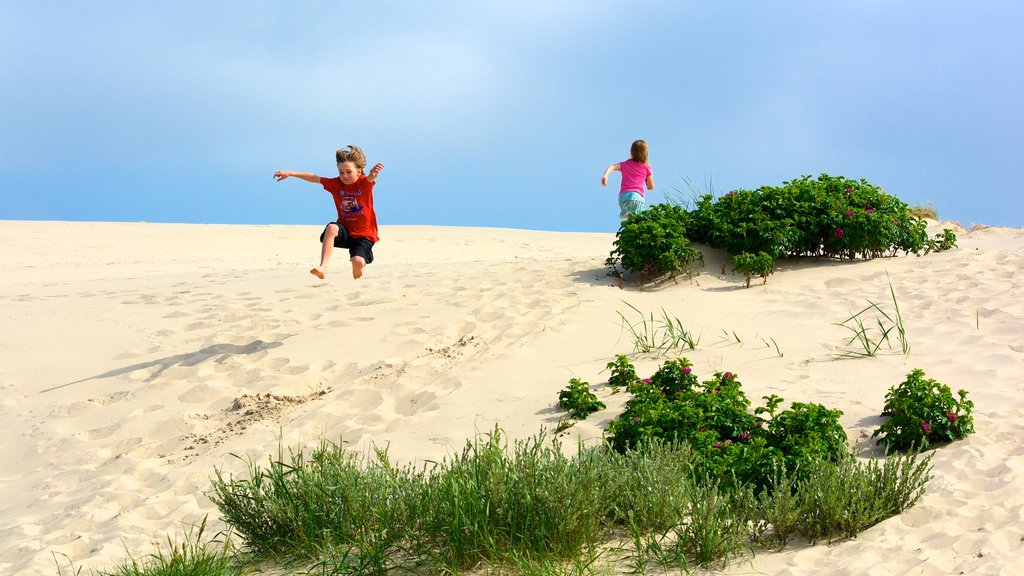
(357, 267)
(318, 272)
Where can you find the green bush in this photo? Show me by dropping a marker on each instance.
(578, 400)
(945, 240)
(830, 216)
(623, 374)
(761, 264)
(715, 420)
(922, 412)
(805, 432)
(653, 243)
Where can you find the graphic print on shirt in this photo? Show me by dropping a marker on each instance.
(350, 205)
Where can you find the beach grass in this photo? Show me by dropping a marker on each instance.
(525, 507)
(663, 334)
(866, 339)
(923, 211)
(196, 554)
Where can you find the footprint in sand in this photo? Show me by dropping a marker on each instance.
(415, 403)
(110, 398)
(99, 433)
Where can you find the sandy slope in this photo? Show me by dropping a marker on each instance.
(135, 358)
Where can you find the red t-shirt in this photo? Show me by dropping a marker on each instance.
(355, 206)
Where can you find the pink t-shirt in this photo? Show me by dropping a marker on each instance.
(634, 176)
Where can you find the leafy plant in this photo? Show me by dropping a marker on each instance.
(715, 419)
(806, 432)
(945, 240)
(830, 216)
(922, 412)
(578, 400)
(761, 264)
(623, 374)
(653, 243)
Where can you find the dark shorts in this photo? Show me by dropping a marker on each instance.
(357, 246)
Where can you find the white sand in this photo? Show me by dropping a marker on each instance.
(124, 347)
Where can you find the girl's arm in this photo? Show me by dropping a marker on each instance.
(375, 171)
(608, 171)
(307, 176)
(650, 182)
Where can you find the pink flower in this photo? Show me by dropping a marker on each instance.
(728, 441)
(646, 380)
(951, 417)
(849, 213)
(895, 223)
(849, 190)
(869, 211)
(727, 376)
(745, 435)
(718, 444)
(687, 370)
(839, 233)
(926, 426)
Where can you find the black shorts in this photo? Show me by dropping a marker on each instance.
(357, 246)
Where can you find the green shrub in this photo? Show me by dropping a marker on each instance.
(653, 243)
(578, 400)
(725, 437)
(945, 240)
(830, 216)
(750, 265)
(623, 374)
(807, 432)
(923, 412)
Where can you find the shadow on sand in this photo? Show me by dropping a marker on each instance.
(217, 352)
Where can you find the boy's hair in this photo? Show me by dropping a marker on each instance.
(638, 151)
(353, 154)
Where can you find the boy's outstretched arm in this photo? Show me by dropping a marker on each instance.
(307, 176)
(374, 172)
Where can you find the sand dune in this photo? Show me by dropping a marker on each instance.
(135, 358)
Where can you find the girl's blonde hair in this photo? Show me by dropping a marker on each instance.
(638, 151)
(353, 154)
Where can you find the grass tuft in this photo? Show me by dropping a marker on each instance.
(870, 336)
(526, 508)
(663, 334)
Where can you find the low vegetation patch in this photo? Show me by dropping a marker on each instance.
(689, 476)
(830, 216)
(922, 412)
(727, 439)
(578, 400)
(512, 508)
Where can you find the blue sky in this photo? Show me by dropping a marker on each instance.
(500, 114)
